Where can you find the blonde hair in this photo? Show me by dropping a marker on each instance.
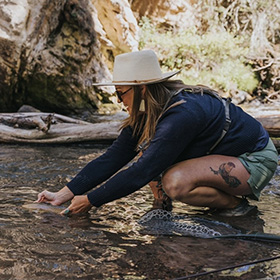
(157, 97)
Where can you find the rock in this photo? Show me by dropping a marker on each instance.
(122, 35)
(51, 51)
(49, 55)
(178, 14)
(27, 108)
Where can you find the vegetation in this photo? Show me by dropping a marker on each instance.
(233, 46)
(212, 58)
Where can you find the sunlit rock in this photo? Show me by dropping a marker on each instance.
(50, 52)
(178, 14)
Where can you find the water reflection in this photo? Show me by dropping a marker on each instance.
(108, 243)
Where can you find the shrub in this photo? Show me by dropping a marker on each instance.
(215, 58)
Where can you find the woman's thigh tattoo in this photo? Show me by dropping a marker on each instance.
(224, 170)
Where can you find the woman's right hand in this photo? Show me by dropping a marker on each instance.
(55, 198)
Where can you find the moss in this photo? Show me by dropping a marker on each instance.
(49, 93)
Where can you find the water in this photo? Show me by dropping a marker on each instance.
(109, 243)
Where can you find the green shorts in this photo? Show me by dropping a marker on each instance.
(261, 165)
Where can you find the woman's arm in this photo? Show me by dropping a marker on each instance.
(173, 134)
(95, 172)
(122, 151)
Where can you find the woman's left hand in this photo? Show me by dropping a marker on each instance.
(79, 204)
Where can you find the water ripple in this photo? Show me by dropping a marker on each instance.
(108, 243)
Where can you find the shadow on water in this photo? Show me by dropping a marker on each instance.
(109, 243)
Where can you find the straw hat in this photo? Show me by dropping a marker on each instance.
(137, 68)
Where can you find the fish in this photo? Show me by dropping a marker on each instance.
(44, 207)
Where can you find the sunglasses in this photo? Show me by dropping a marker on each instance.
(120, 94)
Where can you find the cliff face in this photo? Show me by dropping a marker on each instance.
(51, 51)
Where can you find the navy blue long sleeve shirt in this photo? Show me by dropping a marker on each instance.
(183, 132)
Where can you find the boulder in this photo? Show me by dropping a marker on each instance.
(51, 51)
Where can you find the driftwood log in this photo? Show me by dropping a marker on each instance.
(37, 127)
(272, 125)
(53, 128)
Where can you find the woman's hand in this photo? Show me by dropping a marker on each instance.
(79, 204)
(55, 198)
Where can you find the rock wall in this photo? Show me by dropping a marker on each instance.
(120, 29)
(51, 51)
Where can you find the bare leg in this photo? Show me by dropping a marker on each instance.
(212, 181)
(161, 200)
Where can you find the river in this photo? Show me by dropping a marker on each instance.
(109, 243)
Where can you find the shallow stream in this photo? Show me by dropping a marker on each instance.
(109, 243)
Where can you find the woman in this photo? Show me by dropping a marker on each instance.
(201, 149)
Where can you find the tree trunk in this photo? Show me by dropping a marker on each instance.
(272, 125)
(53, 128)
(48, 128)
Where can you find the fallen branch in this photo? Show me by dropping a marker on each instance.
(273, 97)
(271, 124)
(264, 67)
(62, 130)
(42, 123)
(68, 130)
